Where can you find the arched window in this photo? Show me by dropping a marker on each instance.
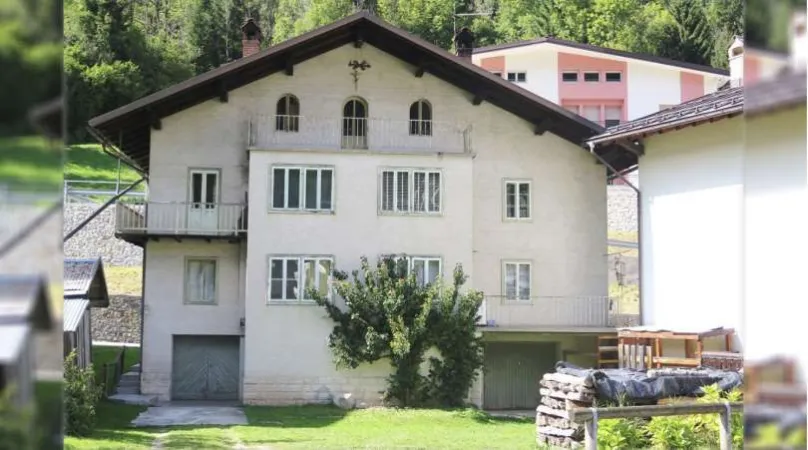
(421, 118)
(355, 123)
(287, 114)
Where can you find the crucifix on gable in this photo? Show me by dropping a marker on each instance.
(356, 68)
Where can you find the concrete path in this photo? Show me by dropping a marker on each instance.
(175, 415)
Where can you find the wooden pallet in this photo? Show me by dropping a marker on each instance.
(608, 357)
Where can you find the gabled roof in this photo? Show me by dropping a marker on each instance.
(84, 279)
(720, 104)
(12, 341)
(606, 51)
(24, 300)
(786, 89)
(73, 312)
(128, 127)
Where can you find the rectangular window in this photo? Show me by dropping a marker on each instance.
(517, 280)
(200, 281)
(427, 270)
(410, 191)
(302, 188)
(569, 77)
(613, 114)
(287, 282)
(591, 77)
(518, 77)
(613, 77)
(517, 199)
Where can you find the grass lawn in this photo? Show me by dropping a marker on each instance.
(630, 236)
(48, 397)
(319, 427)
(89, 162)
(122, 280)
(103, 354)
(30, 163)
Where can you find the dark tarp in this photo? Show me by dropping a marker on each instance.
(638, 386)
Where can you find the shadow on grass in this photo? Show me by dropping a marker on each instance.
(304, 416)
(483, 417)
(114, 423)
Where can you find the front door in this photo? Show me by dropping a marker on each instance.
(203, 214)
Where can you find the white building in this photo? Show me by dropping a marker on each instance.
(356, 139)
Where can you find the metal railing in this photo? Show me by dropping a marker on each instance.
(292, 132)
(96, 191)
(181, 218)
(558, 311)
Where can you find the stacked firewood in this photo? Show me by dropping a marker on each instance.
(560, 393)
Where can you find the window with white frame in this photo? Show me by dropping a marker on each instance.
(517, 199)
(410, 191)
(292, 277)
(518, 77)
(427, 269)
(200, 281)
(517, 280)
(303, 188)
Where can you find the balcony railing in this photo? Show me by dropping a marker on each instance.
(594, 311)
(180, 218)
(301, 132)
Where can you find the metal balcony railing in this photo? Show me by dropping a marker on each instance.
(356, 133)
(180, 218)
(557, 311)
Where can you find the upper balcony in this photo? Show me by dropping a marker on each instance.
(138, 222)
(272, 132)
(555, 313)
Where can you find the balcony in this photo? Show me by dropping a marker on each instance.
(553, 312)
(137, 222)
(380, 135)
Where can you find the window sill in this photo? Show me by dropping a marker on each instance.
(410, 214)
(190, 303)
(316, 212)
(291, 302)
(517, 219)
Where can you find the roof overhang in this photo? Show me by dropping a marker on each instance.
(128, 128)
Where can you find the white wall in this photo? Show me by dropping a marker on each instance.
(541, 66)
(649, 87)
(776, 202)
(692, 210)
(166, 314)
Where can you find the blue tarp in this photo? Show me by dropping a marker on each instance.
(647, 386)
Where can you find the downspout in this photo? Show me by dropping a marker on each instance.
(142, 320)
(639, 218)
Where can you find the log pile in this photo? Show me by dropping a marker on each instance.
(560, 393)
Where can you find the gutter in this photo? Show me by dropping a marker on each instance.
(622, 176)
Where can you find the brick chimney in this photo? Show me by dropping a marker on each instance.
(464, 43)
(250, 38)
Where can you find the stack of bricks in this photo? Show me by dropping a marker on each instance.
(559, 394)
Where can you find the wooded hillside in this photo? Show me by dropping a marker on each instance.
(119, 50)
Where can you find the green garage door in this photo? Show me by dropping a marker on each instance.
(513, 371)
(205, 368)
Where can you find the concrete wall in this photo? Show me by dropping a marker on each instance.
(692, 210)
(776, 194)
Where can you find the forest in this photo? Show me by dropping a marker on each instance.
(119, 50)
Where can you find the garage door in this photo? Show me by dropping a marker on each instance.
(205, 368)
(513, 371)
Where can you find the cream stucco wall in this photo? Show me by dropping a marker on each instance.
(286, 359)
(692, 210)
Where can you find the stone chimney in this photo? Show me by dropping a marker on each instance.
(736, 57)
(250, 38)
(797, 41)
(464, 43)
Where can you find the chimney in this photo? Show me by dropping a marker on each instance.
(736, 57)
(464, 43)
(798, 41)
(250, 38)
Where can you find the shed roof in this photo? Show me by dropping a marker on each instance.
(73, 312)
(12, 341)
(785, 90)
(84, 278)
(24, 299)
(128, 127)
(607, 51)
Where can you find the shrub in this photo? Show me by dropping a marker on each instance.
(17, 429)
(616, 434)
(81, 396)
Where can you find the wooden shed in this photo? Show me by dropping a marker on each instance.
(84, 286)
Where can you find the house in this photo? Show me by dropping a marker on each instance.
(84, 287)
(356, 139)
(24, 311)
(723, 184)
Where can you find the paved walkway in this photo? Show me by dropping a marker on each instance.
(172, 415)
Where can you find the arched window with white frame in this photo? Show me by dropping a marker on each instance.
(421, 118)
(287, 114)
(355, 124)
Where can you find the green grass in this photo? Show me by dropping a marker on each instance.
(630, 236)
(48, 398)
(30, 163)
(124, 280)
(319, 427)
(103, 354)
(89, 162)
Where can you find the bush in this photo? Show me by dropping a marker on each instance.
(17, 429)
(81, 396)
(617, 434)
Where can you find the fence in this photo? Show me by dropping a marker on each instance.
(96, 191)
(590, 416)
(111, 373)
